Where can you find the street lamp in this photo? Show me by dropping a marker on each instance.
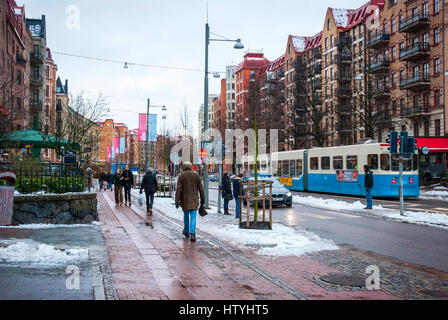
(238, 45)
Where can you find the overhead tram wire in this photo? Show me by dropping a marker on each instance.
(131, 63)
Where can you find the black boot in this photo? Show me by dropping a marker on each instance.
(187, 235)
(193, 237)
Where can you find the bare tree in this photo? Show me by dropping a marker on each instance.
(185, 119)
(77, 123)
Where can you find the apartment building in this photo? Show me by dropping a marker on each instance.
(112, 142)
(230, 96)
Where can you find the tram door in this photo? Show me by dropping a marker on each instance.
(305, 170)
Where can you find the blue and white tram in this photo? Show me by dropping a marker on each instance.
(340, 170)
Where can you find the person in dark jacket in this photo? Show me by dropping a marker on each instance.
(236, 193)
(226, 192)
(102, 180)
(368, 185)
(149, 184)
(427, 177)
(128, 183)
(118, 188)
(110, 180)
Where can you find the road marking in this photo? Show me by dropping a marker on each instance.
(316, 216)
(351, 216)
(441, 209)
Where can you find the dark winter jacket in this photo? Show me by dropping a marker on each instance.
(110, 178)
(226, 185)
(103, 177)
(368, 180)
(128, 180)
(149, 183)
(427, 176)
(117, 180)
(236, 188)
(189, 185)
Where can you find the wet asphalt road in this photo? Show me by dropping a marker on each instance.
(416, 244)
(22, 281)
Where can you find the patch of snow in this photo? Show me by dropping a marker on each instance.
(341, 17)
(36, 254)
(281, 241)
(299, 43)
(426, 218)
(50, 226)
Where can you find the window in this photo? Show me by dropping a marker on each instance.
(385, 162)
(19, 77)
(436, 6)
(292, 168)
(314, 163)
(285, 169)
(437, 66)
(325, 163)
(436, 36)
(437, 98)
(299, 170)
(394, 25)
(372, 161)
(416, 129)
(352, 162)
(19, 104)
(328, 24)
(437, 127)
(394, 53)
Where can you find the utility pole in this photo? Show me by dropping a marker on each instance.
(147, 135)
(205, 168)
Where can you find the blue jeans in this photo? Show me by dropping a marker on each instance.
(237, 203)
(190, 221)
(226, 204)
(369, 198)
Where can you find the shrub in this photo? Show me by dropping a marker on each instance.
(50, 185)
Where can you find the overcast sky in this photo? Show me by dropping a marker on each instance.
(168, 33)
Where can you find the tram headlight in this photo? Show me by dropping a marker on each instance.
(289, 194)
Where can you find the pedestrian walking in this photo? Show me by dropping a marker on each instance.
(111, 180)
(189, 184)
(118, 188)
(128, 183)
(427, 177)
(102, 180)
(236, 193)
(149, 184)
(226, 192)
(368, 185)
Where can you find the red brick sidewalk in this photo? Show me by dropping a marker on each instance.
(158, 263)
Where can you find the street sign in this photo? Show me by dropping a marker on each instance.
(425, 151)
(70, 157)
(203, 154)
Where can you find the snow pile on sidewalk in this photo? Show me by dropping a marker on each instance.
(36, 254)
(281, 241)
(50, 226)
(426, 218)
(439, 193)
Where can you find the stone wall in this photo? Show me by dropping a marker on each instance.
(76, 208)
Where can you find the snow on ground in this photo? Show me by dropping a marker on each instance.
(50, 226)
(281, 241)
(36, 254)
(426, 218)
(439, 193)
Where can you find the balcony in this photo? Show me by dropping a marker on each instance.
(317, 55)
(378, 41)
(20, 60)
(384, 117)
(342, 42)
(415, 111)
(36, 81)
(415, 52)
(36, 104)
(317, 69)
(343, 59)
(345, 109)
(36, 58)
(417, 82)
(380, 66)
(380, 92)
(343, 76)
(316, 86)
(343, 93)
(414, 24)
(300, 77)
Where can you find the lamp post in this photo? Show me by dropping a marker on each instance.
(147, 129)
(238, 45)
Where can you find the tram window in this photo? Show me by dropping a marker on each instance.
(264, 165)
(372, 161)
(285, 171)
(314, 163)
(338, 162)
(279, 168)
(407, 165)
(415, 162)
(424, 161)
(395, 165)
(385, 162)
(299, 170)
(325, 163)
(292, 168)
(352, 162)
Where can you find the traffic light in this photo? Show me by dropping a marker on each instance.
(393, 141)
(411, 146)
(403, 142)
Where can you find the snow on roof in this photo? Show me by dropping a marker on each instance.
(299, 43)
(35, 30)
(341, 17)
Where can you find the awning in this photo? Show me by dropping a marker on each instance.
(437, 144)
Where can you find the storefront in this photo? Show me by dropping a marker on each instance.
(434, 156)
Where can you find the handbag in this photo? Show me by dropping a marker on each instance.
(202, 211)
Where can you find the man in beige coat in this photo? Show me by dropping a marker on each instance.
(189, 184)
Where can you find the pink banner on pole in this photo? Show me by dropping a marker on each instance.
(108, 153)
(116, 145)
(142, 127)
